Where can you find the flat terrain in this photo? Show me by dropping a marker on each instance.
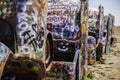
(110, 70)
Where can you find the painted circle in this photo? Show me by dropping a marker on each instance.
(23, 25)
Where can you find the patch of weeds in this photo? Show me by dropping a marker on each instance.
(87, 78)
(102, 60)
(89, 75)
(111, 50)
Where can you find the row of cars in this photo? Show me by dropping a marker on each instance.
(100, 33)
(50, 40)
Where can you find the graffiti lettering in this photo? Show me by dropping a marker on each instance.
(22, 16)
(30, 33)
(23, 28)
(23, 25)
(34, 27)
(40, 36)
(25, 49)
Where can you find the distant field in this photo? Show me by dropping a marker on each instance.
(117, 33)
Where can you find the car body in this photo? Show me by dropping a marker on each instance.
(63, 23)
(23, 31)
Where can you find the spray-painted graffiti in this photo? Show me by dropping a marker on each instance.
(30, 27)
(93, 13)
(62, 20)
(3, 52)
(61, 71)
(92, 17)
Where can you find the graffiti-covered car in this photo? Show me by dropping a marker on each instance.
(92, 35)
(63, 23)
(96, 27)
(110, 34)
(91, 50)
(23, 31)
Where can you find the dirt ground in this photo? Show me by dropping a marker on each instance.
(110, 70)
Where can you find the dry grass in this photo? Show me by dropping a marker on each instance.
(117, 34)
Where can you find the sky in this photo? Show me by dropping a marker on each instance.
(110, 6)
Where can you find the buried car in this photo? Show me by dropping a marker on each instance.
(23, 31)
(91, 50)
(63, 22)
